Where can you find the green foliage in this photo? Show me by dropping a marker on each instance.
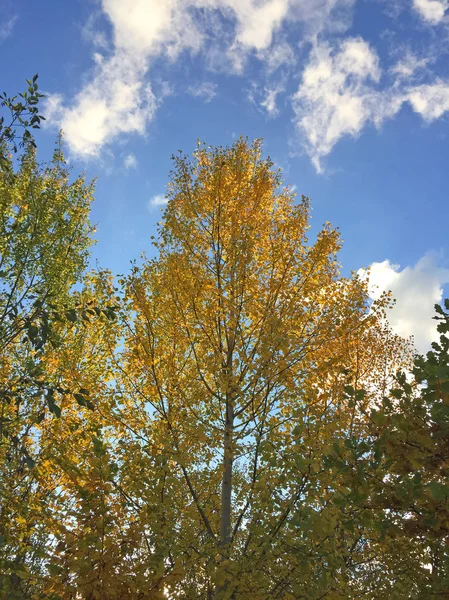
(44, 239)
(45, 235)
(22, 116)
(414, 453)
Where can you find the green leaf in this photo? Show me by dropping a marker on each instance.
(360, 394)
(438, 490)
(439, 412)
(80, 399)
(56, 410)
(83, 401)
(30, 462)
(21, 573)
(71, 315)
(378, 417)
(99, 447)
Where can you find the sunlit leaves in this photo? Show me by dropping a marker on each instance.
(254, 353)
(231, 419)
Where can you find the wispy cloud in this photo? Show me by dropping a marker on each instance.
(264, 98)
(339, 94)
(130, 161)
(206, 91)
(334, 95)
(93, 34)
(157, 200)
(118, 99)
(341, 88)
(410, 65)
(269, 102)
(279, 55)
(431, 101)
(7, 27)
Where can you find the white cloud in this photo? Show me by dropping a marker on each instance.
(270, 97)
(265, 98)
(116, 101)
(409, 65)
(93, 34)
(117, 98)
(206, 91)
(339, 95)
(258, 29)
(334, 95)
(280, 54)
(416, 290)
(158, 200)
(130, 161)
(334, 16)
(53, 108)
(164, 89)
(152, 27)
(257, 22)
(431, 11)
(431, 101)
(6, 28)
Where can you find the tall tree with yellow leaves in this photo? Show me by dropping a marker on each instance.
(241, 433)
(243, 339)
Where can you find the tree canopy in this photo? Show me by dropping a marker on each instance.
(247, 428)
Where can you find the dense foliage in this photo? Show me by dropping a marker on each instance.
(247, 428)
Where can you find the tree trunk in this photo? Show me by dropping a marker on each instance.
(226, 493)
(226, 488)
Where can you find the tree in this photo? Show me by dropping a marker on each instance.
(44, 239)
(45, 234)
(249, 428)
(243, 341)
(413, 444)
(23, 115)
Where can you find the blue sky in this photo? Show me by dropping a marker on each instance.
(351, 98)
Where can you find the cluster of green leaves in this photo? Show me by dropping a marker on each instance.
(22, 116)
(45, 235)
(414, 445)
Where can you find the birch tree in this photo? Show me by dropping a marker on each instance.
(244, 338)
